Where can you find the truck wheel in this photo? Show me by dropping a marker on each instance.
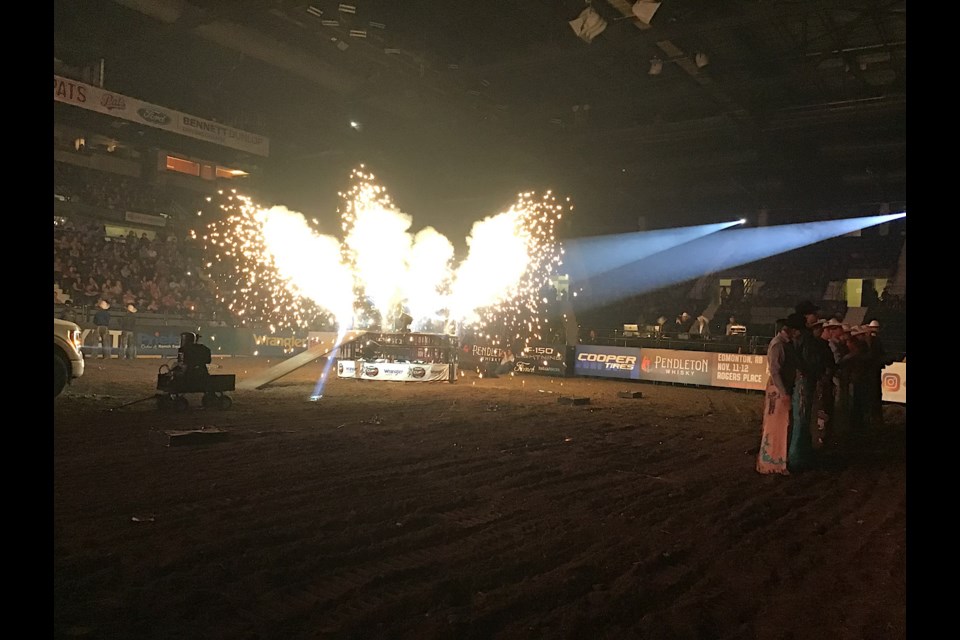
(60, 375)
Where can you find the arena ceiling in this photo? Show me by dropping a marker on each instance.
(705, 109)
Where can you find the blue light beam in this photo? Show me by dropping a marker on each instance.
(586, 257)
(717, 252)
(331, 356)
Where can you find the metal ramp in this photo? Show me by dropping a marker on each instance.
(290, 365)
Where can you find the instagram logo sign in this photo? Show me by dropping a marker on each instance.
(890, 382)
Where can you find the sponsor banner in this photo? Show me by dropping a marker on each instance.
(893, 380)
(729, 370)
(474, 355)
(393, 371)
(607, 362)
(544, 359)
(165, 341)
(346, 368)
(282, 344)
(86, 96)
(740, 370)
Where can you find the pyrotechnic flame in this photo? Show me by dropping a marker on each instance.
(271, 265)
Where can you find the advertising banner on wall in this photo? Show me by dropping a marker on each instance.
(607, 362)
(282, 343)
(475, 354)
(157, 342)
(87, 96)
(702, 368)
(163, 341)
(395, 371)
(545, 359)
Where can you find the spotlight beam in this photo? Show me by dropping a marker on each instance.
(717, 252)
(586, 257)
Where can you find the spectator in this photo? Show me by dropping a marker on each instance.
(69, 312)
(731, 324)
(506, 362)
(91, 291)
(701, 327)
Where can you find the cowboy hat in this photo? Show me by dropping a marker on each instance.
(103, 304)
(131, 308)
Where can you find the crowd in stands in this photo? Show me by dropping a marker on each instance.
(108, 190)
(155, 275)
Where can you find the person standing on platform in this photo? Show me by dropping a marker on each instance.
(101, 320)
(775, 432)
(853, 367)
(877, 360)
(821, 418)
(128, 333)
(810, 367)
(833, 333)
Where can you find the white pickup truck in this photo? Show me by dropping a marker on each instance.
(67, 359)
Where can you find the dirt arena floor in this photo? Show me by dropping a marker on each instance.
(481, 509)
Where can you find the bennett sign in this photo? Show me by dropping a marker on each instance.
(86, 96)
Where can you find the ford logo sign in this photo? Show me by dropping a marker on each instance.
(418, 372)
(340, 368)
(153, 116)
(371, 371)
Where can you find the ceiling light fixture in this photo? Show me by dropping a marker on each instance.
(347, 8)
(377, 25)
(358, 33)
(314, 11)
(701, 60)
(330, 23)
(656, 67)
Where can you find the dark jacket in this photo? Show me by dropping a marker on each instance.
(128, 322)
(101, 318)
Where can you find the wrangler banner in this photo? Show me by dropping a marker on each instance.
(396, 371)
